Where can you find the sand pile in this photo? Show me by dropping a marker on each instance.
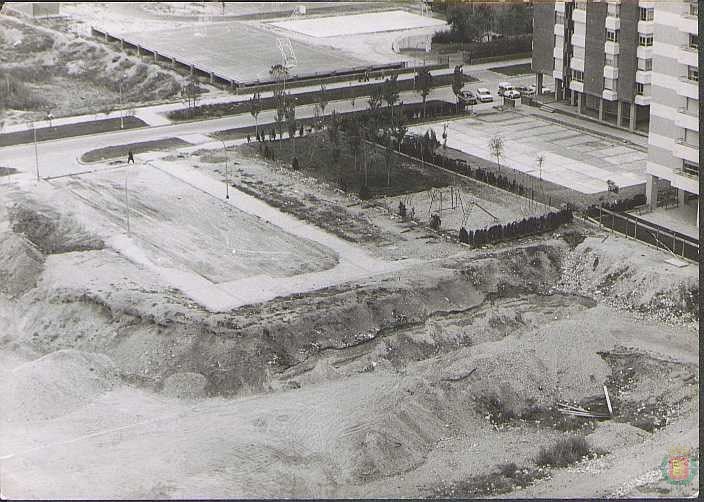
(185, 385)
(55, 385)
(51, 232)
(628, 275)
(21, 264)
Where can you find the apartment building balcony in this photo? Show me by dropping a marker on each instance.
(577, 64)
(558, 51)
(610, 72)
(644, 52)
(683, 150)
(613, 23)
(689, 24)
(642, 99)
(687, 119)
(611, 48)
(579, 16)
(576, 85)
(578, 40)
(560, 7)
(644, 77)
(688, 56)
(646, 27)
(688, 88)
(559, 29)
(609, 95)
(688, 172)
(558, 74)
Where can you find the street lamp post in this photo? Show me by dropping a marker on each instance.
(122, 118)
(227, 173)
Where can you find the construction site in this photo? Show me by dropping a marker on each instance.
(214, 320)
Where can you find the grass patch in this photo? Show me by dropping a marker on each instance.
(115, 151)
(514, 69)
(69, 130)
(563, 453)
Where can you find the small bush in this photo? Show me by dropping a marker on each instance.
(294, 164)
(508, 470)
(402, 210)
(364, 193)
(435, 222)
(564, 452)
(464, 236)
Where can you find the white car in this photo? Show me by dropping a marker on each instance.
(484, 95)
(512, 94)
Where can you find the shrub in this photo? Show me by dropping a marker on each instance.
(294, 164)
(464, 236)
(435, 222)
(364, 193)
(402, 210)
(563, 453)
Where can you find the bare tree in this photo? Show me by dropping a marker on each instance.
(322, 99)
(457, 83)
(190, 92)
(496, 146)
(255, 107)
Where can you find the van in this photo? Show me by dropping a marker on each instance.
(503, 87)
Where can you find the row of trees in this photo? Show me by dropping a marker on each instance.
(527, 226)
(476, 21)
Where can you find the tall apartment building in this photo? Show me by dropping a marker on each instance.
(600, 54)
(632, 63)
(673, 140)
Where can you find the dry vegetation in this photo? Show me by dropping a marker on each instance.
(42, 69)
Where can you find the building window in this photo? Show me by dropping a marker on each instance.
(693, 8)
(559, 18)
(645, 40)
(559, 41)
(646, 14)
(612, 35)
(690, 167)
(693, 73)
(580, 5)
(693, 41)
(645, 64)
(640, 89)
(577, 75)
(609, 84)
(691, 137)
(611, 60)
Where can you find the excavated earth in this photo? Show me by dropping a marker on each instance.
(420, 383)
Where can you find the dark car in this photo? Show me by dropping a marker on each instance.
(468, 97)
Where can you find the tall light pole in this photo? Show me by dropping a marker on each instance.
(127, 203)
(36, 151)
(122, 118)
(227, 173)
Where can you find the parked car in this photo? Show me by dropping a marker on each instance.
(512, 94)
(526, 90)
(484, 96)
(468, 97)
(503, 87)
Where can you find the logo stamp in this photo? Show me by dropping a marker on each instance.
(680, 467)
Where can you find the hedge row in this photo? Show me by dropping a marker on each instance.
(498, 47)
(522, 228)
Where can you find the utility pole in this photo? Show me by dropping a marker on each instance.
(36, 151)
(127, 203)
(227, 173)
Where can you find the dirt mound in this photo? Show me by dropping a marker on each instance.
(612, 436)
(185, 385)
(49, 231)
(55, 385)
(627, 275)
(21, 264)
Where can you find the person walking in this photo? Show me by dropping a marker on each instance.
(130, 157)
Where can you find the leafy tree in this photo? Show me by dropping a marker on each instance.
(376, 97)
(400, 128)
(290, 113)
(423, 84)
(280, 100)
(322, 98)
(457, 83)
(496, 147)
(354, 137)
(255, 107)
(470, 21)
(391, 94)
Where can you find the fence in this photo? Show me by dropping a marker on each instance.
(631, 226)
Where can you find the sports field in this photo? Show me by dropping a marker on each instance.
(239, 51)
(355, 24)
